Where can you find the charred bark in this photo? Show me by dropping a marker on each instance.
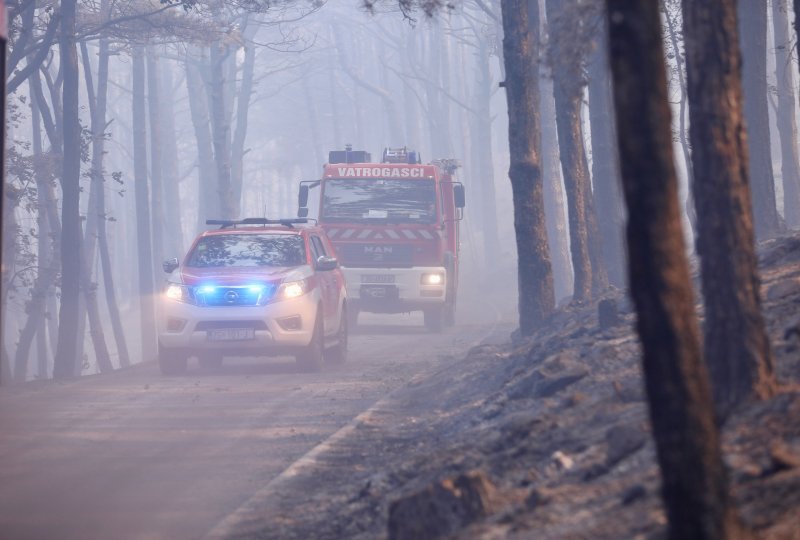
(568, 82)
(737, 347)
(221, 131)
(520, 52)
(605, 162)
(694, 486)
(754, 81)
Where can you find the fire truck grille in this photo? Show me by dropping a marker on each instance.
(377, 255)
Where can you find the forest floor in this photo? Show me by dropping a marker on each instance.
(545, 438)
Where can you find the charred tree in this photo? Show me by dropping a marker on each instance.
(737, 347)
(173, 242)
(754, 81)
(566, 55)
(65, 361)
(557, 228)
(605, 164)
(520, 51)
(694, 485)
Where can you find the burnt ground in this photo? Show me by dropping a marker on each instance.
(545, 438)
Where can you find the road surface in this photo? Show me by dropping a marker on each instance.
(135, 455)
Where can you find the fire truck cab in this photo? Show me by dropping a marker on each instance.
(395, 227)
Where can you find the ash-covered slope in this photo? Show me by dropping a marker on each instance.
(546, 438)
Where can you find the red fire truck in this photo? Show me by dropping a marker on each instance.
(395, 228)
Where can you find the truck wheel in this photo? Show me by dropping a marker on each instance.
(171, 361)
(338, 353)
(311, 358)
(434, 319)
(210, 360)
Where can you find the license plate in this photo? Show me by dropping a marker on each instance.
(377, 278)
(231, 334)
(373, 292)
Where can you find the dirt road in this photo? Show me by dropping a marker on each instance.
(135, 455)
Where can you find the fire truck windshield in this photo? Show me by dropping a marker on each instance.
(389, 199)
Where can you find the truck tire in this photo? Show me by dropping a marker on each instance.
(434, 318)
(172, 361)
(338, 353)
(310, 359)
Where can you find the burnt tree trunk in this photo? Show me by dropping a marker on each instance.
(754, 81)
(737, 347)
(568, 82)
(557, 228)
(156, 158)
(605, 165)
(694, 486)
(520, 52)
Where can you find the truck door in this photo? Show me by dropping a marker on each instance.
(329, 285)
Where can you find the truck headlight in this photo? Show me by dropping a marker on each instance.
(432, 279)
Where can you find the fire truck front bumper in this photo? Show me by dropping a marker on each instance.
(396, 290)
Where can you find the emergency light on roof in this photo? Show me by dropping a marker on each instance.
(225, 223)
(400, 155)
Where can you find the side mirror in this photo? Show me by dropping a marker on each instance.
(325, 263)
(458, 194)
(302, 196)
(170, 265)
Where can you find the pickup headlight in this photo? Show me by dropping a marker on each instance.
(293, 289)
(178, 293)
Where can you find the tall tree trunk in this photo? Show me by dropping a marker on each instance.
(605, 163)
(483, 173)
(94, 216)
(787, 125)
(156, 159)
(520, 53)
(143, 235)
(682, 128)
(208, 204)
(568, 94)
(737, 347)
(221, 131)
(65, 361)
(754, 80)
(694, 486)
(173, 243)
(557, 229)
(242, 110)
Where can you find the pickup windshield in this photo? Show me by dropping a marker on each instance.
(386, 199)
(248, 250)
